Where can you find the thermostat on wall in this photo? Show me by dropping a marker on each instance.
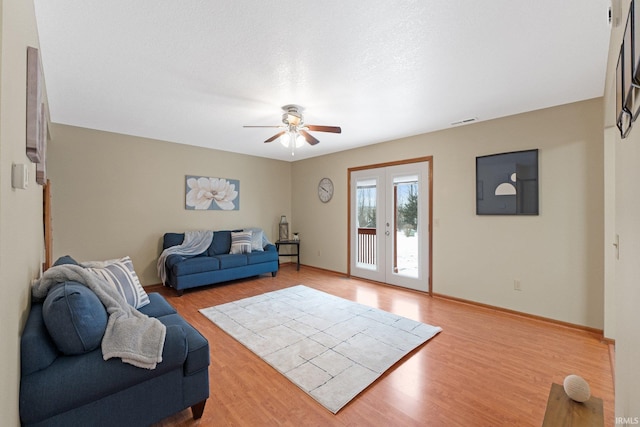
(19, 176)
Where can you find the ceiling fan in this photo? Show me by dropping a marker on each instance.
(293, 128)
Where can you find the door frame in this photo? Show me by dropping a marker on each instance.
(428, 159)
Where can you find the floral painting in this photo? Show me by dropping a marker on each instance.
(205, 193)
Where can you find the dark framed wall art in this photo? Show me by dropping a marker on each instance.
(628, 73)
(507, 183)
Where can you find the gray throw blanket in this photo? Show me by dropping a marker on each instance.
(130, 335)
(194, 243)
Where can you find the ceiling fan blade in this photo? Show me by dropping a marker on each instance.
(261, 126)
(317, 128)
(274, 137)
(310, 139)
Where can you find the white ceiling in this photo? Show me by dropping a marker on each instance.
(195, 71)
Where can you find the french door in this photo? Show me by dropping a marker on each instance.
(390, 224)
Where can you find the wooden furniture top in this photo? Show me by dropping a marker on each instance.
(564, 412)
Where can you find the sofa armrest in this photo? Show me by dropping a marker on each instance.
(37, 349)
(270, 248)
(176, 347)
(174, 259)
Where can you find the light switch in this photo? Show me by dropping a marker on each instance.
(19, 176)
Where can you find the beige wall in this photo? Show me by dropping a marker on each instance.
(624, 158)
(627, 287)
(21, 239)
(557, 255)
(116, 195)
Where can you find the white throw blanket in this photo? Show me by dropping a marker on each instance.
(195, 243)
(130, 335)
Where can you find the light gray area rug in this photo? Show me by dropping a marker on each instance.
(330, 347)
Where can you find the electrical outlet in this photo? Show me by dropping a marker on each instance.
(318, 253)
(517, 286)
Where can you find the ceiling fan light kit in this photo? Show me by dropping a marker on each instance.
(287, 137)
(294, 132)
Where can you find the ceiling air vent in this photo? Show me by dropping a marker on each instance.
(464, 121)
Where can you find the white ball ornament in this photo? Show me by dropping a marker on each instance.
(577, 388)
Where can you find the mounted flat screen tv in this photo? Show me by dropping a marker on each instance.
(627, 65)
(507, 183)
(623, 117)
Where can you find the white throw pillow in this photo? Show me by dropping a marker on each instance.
(256, 240)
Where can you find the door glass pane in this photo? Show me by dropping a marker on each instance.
(366, 217)
(405, 211)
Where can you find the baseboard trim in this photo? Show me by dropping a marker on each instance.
(597, 332)
(324, 270)
(612, 360)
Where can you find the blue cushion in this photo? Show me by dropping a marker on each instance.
(230, 261)
(65, 260)
(157, 307)
(172, 239)
(221, 243)
(195, 265)
(260, 257)
(75, 318)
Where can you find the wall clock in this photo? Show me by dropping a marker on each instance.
(325, 190)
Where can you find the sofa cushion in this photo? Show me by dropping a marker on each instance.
(172, 239)
(75, 318)
(221, 243)
(195, 265)
(230, 261)
(66, 259)
(260, 257)
(157, 307)
(120, 274)
(240, 242)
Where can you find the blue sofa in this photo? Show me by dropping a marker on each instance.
(216, 264)
(83, 389)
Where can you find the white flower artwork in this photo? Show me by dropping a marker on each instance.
(205, 193)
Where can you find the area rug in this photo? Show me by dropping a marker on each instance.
(330, 347)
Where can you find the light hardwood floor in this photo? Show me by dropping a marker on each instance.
(486, 368)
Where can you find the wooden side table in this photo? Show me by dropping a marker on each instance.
(564, 412)
(295, 243)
